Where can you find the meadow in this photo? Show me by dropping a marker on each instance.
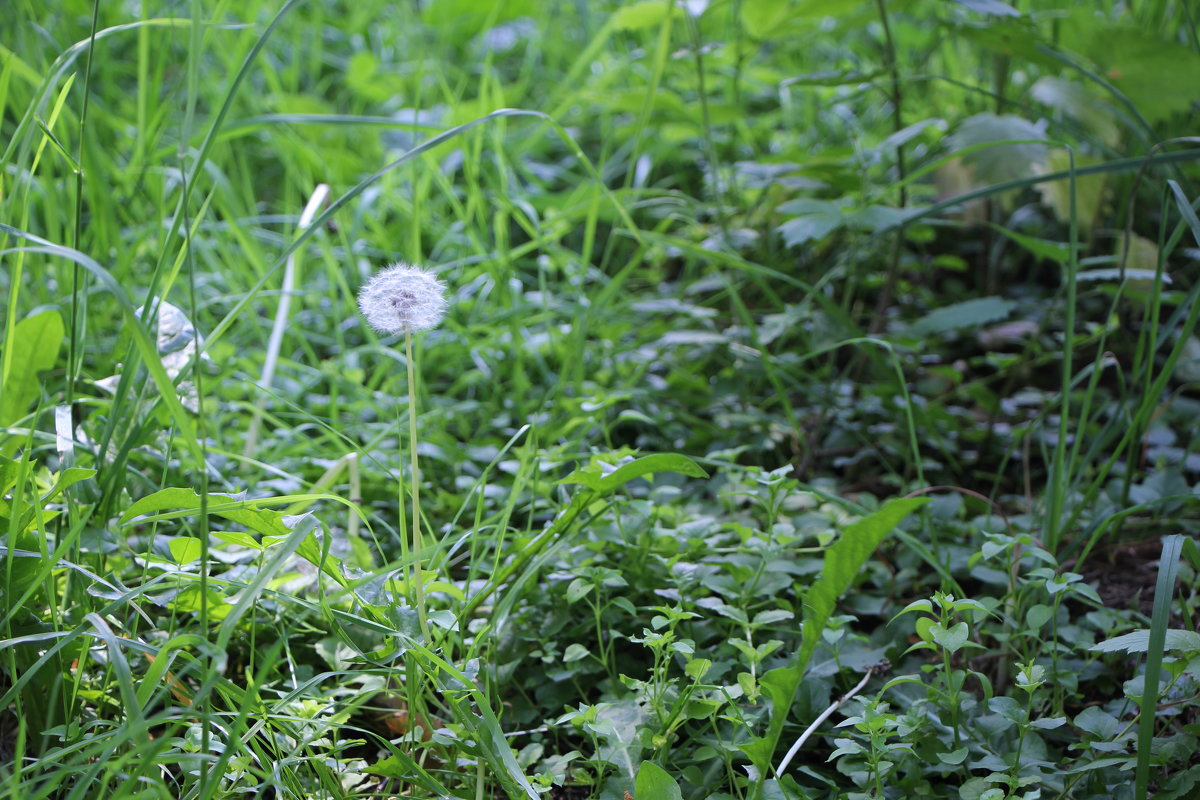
(776, 400)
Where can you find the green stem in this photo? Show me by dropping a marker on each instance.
(418, 585)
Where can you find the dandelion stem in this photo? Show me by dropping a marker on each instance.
(417, 581)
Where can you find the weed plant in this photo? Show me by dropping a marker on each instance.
(814, 413)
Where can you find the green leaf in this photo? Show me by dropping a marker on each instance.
(954, 757)
(1000, 162)
(816, 220)
(1139, 642)
(575, 652)
(843, 560)
(1038, 615)
(764, 18)
(646, 14)
(594, 476)
(1096, 722)
(234, 508)
(185, 549)
(967, 314)
(35, 345)
(952, 638)
(994, 7)
(238, 538)
(1057, 252)
(578, 589)
(655, 783)
(1158, 75)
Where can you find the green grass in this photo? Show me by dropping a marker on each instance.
(725, 490)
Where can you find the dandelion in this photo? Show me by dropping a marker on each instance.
(403, 299)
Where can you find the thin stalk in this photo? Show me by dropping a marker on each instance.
(418, 585)
(897, 98)
(1060, 472)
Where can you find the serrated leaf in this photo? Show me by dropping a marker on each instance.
(1000, 162)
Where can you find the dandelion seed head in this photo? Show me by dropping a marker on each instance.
(403, 298)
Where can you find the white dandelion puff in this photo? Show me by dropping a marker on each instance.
(403, 298)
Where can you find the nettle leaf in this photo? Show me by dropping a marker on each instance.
(1139, 642)
(1000, 162)
(813, 225)
(967, 314)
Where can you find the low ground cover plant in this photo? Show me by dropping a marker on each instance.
(626, 400)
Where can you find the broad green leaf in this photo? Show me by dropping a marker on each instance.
(761, 750)
(655, 783)
(234, 508)
(1098, 723)
(952, 638)
(574, 652)
(1001, 162)
(644, 14)
(1057, 252)
(597, 475)
(1038, 615)
(35, 345)
(1158, 75)
(460, 20)
(238, 538)
(1089, 189)
(1139, 642)
(967, 314)
(843, 560)
(185, 549)
(763, 18)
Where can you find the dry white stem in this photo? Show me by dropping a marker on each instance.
(816, 723)
(275, 343)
